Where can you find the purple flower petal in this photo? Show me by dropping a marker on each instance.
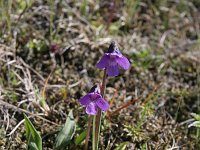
(102, 104)
(91, 109)
(103, 62)
(94, 96)
(123, 62)
(85, 100)
(113, 69)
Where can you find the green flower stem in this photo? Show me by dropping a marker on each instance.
(99, 113)
(88, 132)
(93, 134)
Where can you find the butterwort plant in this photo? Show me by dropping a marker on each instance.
(94, 101)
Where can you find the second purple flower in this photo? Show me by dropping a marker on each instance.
(94, 101)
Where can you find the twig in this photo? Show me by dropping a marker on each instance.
(25, 111)
(33, 70)
(133, 101)
(15, 128)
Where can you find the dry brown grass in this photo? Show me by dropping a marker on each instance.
(161, 40)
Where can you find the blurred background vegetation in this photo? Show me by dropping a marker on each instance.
(48, 52)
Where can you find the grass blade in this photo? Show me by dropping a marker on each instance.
(67, 132)
(32, 135)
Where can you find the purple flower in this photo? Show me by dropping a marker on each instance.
(112, 60)
(54, 48)
(94, 101)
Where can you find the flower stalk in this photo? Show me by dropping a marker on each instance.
(88, 132)
(99, 113)
(93, 134)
